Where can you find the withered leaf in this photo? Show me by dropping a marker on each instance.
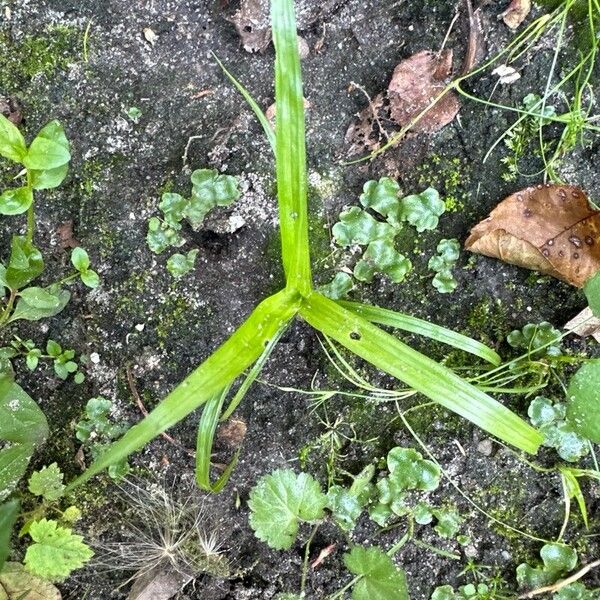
(416, 81)
(516, 13)
(548, 228)
(585, 324)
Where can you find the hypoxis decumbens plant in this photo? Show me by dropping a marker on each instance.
(351, 325)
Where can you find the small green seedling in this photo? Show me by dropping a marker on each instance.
(549, 418)
(47, 483)
(135, 114)
(81, 261)
(97, 429)
(557, 559)
(537, 339)
(181, 264)
(448, 252)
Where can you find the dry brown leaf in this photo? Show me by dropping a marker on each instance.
(547, 228)
(11, 108)
(232, 433)
(252, 24)
(584, 324)
(416, 81)
(18, 584)
(516, 13)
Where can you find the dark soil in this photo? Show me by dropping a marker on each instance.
(118, 172)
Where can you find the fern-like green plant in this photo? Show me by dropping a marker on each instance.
(352, 326)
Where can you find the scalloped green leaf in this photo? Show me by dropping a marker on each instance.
(47, 483)
(422, 210)
(411, 471)
(56, 551)
(381, 257)
(537, 339)
(380, 579)
(383, 197)
(338, 287)
(280, 501)
(357, 226)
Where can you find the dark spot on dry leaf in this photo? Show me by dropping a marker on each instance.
(520, 239)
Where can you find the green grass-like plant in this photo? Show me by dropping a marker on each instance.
(351, 326)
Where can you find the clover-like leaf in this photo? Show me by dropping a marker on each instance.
(47, 482)
(161, 235)
(357, 226)
(180, 264)
(382, 197)
(381, 257)
(557, 559)
(380, 579)
(448, 521)
(574, 591)
(12, 143)
(173, 207)
(411, 471)
(338, 287)
(345, 507)
(49, 149)
(542, 411)
(15, 201)
(279, 502)
(443, 592)
(444, 282)
(583, 406)
(209, 189)
(56, 551)
(422, 210)
(537, 339)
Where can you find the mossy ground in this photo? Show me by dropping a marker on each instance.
(141, 318)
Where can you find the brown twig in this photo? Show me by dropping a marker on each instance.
(138, 400)
(563, 582)
(372, 106)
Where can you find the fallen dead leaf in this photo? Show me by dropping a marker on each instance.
(66, 239)
(516, 13)
(547, 228)
(584, 324)
(17, 584)
(232, 433)
(416, 81)
(11, 108)
(506, 74)
(325, 552)
(252, 24)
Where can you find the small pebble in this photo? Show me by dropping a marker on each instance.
(485, 447)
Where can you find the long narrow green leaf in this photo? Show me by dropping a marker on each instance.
(418, 371)
(9, 511)
(252, 375)
(384, 316)
(204, 443)
(225, 364)
(260, 115)
(290, 148)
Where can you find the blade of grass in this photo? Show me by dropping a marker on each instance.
(260, 115)
(384, 316)
(220, 369)
(252, 375)
(290, 148)
(418, 371)
(204, 443)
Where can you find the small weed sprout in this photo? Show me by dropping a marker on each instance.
(163, 533)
